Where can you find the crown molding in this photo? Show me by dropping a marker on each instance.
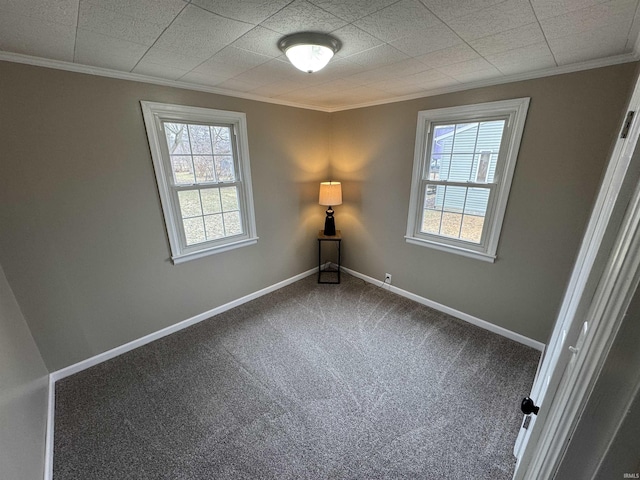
(135, 77)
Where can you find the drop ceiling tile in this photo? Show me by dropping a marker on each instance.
(613, 12)
(275, 89)
(198, 33)
(337, 68)
(469, 66)
(354, 40)
(447, 9)
(427, 77)
(335, 85)
(397, 70)
(260, 40)
(364, 94)
(354, 9)
(250, 11)
(203, 79)
(491, 20)
(170, 58)
(378, 56)
(161, 12)
(407, 18)
(471, 70)
(411, 86)
(97, 19)
(231, 61)
(531, 57)
(395, 88)
(300, 16)
(265, 74)
(448, 56)
(32, 36)
(64, 12)
(609, 36)
(530, 65)
(434, 38)
(602, 42)
(237, 85)
(553, 8)
(479, 75)
(508, 40)
(159, 71)
(107, 52)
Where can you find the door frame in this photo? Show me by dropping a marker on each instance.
(552, 430)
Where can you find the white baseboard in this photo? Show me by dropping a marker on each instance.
(451, 311)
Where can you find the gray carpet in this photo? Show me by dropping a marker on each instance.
(312, 381)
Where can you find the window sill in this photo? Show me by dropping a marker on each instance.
(185, 257)
(465, 252)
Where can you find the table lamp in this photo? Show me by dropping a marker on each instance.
(330, 195)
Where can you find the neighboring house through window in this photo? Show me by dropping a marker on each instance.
(463, 166)
(201, 161)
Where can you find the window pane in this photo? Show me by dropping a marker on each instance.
(200, 139)
(451, 223)
(232, 224)
(204, 168)
(454, 199)
(442, 139)
(194, 230)
(182, 168)
(477, 201)
(431, 221)
(177, 138)
(460, 169)
(490, 136)
(190, 203)
(221, 139)
(481, 167)
(229, 198)
(214, 226)
(210, 200)
(472, 228)
(465, 138)
(224, 168)
(433, 172)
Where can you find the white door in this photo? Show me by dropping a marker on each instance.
(571, 328)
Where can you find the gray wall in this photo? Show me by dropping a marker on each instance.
(571, 126)
(23, 394)
(83, 240)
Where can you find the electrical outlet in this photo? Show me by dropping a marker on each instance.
(387, 278)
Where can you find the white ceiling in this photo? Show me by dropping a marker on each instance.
(391, 49)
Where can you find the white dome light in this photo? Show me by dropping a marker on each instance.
(309, 51)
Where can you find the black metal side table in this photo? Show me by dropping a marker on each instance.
(337, 238)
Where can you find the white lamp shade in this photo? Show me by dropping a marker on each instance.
(309, 58)
(330, 194)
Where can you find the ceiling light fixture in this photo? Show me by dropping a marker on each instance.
(309, 51)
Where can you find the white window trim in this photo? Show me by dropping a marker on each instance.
(154, 114)
(516, 112)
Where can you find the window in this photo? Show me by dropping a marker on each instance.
(201, 161)
(462, 171)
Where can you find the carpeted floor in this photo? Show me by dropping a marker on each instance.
(312, 381)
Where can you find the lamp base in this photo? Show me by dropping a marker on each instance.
(329, 224)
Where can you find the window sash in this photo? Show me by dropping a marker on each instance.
(513, 113)
(479, 246)
(156, 115)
